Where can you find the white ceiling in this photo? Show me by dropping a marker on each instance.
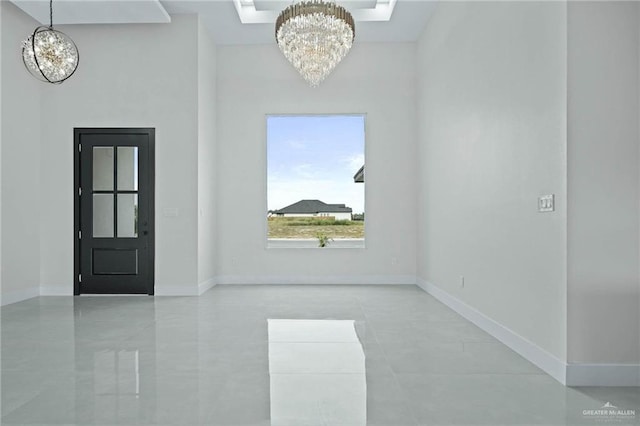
(95, 11)
(221, 17)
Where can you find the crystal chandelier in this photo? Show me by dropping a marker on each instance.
(49, 55)
(315, 36)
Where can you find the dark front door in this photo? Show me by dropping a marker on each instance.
(114, 175)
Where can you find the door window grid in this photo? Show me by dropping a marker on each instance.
(115, 210)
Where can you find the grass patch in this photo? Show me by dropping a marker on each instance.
(302, 227)
(319, 222)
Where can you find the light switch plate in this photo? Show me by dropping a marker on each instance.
(546, 203)
(170, 212)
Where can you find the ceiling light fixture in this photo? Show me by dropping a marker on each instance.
(50, 55)
(315, 36)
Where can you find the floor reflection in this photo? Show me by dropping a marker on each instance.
(390, 356)
(117, 372)
(116, 367)
(317, 373)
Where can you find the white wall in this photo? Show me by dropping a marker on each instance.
(603, 188)
(492, 138)
(1, 268)
(20, 156)
(377, 80)
(129, 76)
(207, 240)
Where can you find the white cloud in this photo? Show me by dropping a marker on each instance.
(297, 144)
(305, 171)
(354, 162)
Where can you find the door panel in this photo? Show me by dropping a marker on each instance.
(115, 261)
(114, 210)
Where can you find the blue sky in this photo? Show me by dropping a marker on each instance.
(315, 157)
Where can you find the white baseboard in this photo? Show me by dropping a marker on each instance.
(544, 360)
(311, 280)
(50, 290)
(206, 285)
(603, 375)
(185, 290)
(14, 296)
(175, 290)
(56, 290)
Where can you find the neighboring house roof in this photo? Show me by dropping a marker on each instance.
(359, 176)
(313, 206)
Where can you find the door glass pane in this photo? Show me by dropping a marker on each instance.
(127, 215)
(103, 168)
(103, 215)
(127, 168)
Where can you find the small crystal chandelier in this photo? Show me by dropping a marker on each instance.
(315, 36)
(50, 55)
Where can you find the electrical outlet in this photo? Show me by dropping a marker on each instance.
(394, 261)
(546, 203)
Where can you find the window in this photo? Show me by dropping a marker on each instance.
(315, 181)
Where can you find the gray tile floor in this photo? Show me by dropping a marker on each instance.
(205, 360)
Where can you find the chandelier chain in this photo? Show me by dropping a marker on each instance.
(50, 13)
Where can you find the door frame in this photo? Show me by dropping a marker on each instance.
(151, 241)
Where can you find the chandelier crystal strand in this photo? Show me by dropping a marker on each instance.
(50, 55)
(315, 36)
